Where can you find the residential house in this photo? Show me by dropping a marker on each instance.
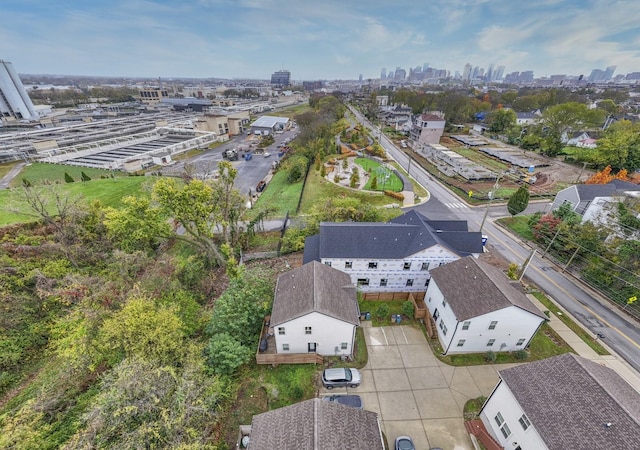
(575, 138)
(476, 308)
(395, 256)
(396, 115)
(594, 202)
(427, 129)
(563, 403)
(527, 118)
(315, 425)
(315, 309)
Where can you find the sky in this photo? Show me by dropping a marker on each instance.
(316, 39)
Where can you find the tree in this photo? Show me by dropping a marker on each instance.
(374, 183)
(68, 178)
(145, 330)
(518, 201)
(501, 120)
(226, 354)
(84, 176)
(619, 147)
(145, 405)
(561, 119)
(137, 225)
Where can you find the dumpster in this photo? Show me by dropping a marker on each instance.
(367, 316)
(398, 318)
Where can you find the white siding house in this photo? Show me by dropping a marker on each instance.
(506, 421)
(562, 403)
(476, 309)
(315, 310)
(392, 257)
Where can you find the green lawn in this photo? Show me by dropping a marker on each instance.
(519, 225)
(318, 189)
(577, 329)
(545, 344)
(38, 172)
(279, 195)
(109, 191)
(392, 183)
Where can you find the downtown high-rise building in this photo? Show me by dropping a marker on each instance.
(383, 73)
(14, 100)
(281, 78)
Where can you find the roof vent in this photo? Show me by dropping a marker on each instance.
(608, 425)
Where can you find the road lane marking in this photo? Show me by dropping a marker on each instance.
(597, 316)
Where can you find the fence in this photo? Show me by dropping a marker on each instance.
(417, 298)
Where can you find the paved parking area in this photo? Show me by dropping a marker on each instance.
(414, 393)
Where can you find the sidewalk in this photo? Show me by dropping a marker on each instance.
(613, 361)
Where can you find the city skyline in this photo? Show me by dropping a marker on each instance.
(328, 40)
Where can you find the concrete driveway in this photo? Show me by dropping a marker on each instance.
(414, 393)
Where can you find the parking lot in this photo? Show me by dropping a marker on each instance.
(413, 392)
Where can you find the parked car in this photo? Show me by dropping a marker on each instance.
(404, 443)
(340, 377)
(261, 185)
(349, 400)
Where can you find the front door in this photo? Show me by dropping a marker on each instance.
(312, 347)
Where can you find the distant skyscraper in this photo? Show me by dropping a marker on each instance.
(596, 76)
(489, 76)
(383, 73)
(281, 78)
(360, 78)
(14, 100)
(425, 67)
(499, 73)
(526, 76)
(608, 73)
(400, 74)
(466, 73)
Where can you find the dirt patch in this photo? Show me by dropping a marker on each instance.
(549, 179)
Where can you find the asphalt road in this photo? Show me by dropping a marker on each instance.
(621, 333)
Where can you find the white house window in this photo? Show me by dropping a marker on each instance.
(281, 331)
(425, 266)
(506, 432)
(524, 421)
(363, 282)
(520, 341)
(461, 342)
(406, 266)
(327, 263)
(444, 302)
(285, 347)
(443, 327)
(490, 343)
(344, 345)
(307, 330)
(383, 282)
(493, 324)
(348, 264)
(441, 264)
(373, 265)
(410, 282)
(465, 325)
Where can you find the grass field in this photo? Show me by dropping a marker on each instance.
(280, 195)
(38, 172)
(393, 183)
(318, 189)
(109, 191)
(519, 225)
(293, 111)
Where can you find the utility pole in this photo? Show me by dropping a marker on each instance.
(551, 243)
(490, 194)
(526, 264)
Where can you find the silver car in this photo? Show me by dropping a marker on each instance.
(340, 377)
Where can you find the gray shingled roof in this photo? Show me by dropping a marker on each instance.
(314, 287)
(315, 425)
(591, 191)
(401, 237)
(570, 399)
(473, 288)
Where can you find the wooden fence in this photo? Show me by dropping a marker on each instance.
(417, 298)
